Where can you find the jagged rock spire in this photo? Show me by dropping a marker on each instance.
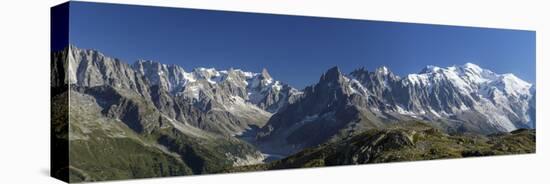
(265, 74)
(331, 74)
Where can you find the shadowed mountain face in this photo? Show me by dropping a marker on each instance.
(149, 119)
(326, 110)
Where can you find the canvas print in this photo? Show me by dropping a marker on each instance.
(141, 91)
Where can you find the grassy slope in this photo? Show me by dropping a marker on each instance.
(103, 148)
(59, 135)
(408, 142)
(120, 158)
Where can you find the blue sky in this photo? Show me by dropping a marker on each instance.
(295, 49)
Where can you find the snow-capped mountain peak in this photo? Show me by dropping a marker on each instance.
(430, 69)
(383, 70)
(472, 67)
(513, 85)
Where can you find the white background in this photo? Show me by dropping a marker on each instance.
(24, 90)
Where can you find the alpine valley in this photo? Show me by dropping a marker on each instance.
(149, 119)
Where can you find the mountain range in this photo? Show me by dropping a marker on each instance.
(204, 120)
(457, 99)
